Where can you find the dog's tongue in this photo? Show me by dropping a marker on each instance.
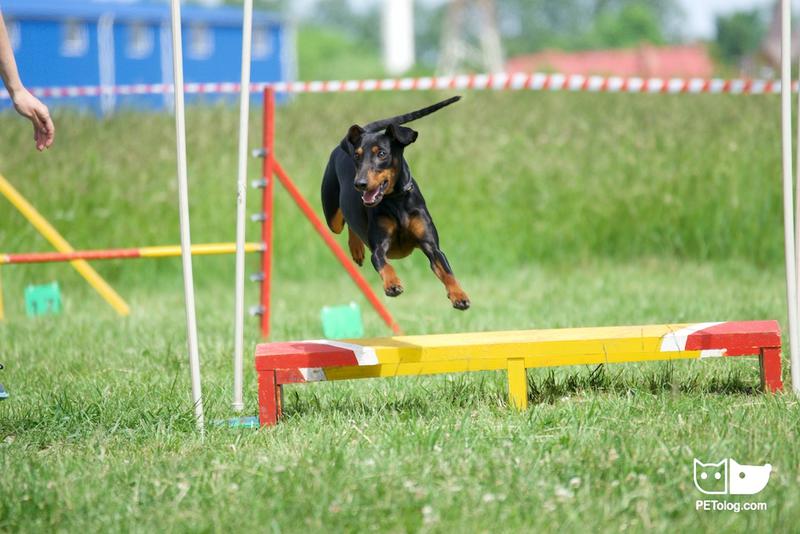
(369, 196)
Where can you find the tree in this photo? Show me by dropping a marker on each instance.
(532, 25)
(631, 25)
(739, 35)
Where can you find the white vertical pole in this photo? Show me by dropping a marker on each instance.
(788, 189)
(241, 204)
(183, 203)
(398, 35)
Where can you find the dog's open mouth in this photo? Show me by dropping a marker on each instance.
(372, 196)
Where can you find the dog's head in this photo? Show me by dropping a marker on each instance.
(378, 158)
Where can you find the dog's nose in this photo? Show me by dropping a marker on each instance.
(361, 184)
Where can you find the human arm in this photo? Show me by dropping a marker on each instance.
(25, 103)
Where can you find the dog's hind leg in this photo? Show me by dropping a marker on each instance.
(356, 246)
(442, 270)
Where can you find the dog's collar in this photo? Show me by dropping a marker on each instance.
(406, 190)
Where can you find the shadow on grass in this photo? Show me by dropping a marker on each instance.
(489, 390)
(664, 380)
(425, 399)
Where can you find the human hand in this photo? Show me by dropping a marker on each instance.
(30, 107)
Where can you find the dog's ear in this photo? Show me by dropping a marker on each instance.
(401, 134)
(354, 134)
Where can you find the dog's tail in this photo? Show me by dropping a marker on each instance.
(408, 117)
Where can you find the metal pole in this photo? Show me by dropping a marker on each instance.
(266, 209)
(788, 189)
(183, 202)
(241, 205)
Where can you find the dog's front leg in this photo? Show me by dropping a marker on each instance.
(356, 246)
(380, 242)
(391, 283)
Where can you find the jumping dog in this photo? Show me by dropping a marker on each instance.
(368, 185)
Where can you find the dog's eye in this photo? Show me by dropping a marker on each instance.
(357, 155)
(381, 154)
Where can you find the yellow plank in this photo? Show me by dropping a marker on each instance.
(525, 343)
(526, 336)
(197, 250)
(432, 368)
(389, 369)
(487, 351)
(61, 244)
(371, 371)
(593, 359)
(413, 369)
(608, 351)
(517, 384)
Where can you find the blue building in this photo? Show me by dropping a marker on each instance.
(123, 42)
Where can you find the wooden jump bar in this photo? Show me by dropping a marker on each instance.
(126, 253)
(283, 363)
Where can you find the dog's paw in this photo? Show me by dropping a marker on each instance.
(393, 290)
(461, 304)
(460, 300)
(357, 253)
(356, 247)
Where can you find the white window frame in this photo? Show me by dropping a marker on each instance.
(262, 42)
(75, 45)
(140, 40)
(201, 41)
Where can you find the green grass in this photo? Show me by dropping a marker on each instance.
(555, 210)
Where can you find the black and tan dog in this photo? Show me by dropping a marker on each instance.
(368, 185)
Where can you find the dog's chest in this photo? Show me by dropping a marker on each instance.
(404, 241)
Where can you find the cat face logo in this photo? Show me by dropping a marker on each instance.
(730, 477)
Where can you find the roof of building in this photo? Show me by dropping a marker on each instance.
(685, 61)
(140, 10)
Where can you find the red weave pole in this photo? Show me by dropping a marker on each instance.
(53, 257)
(266, 208)
(337, 250)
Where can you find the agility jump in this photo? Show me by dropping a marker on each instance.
(300, 362)
(78, 258)
(278, 364)
(165, 251)
(270, 168)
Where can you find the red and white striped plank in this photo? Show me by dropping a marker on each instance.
(723, 338)
(700, 340)
(319, 360)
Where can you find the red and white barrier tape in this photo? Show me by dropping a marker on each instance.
(530, 82)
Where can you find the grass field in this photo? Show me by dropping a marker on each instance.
(554, 209)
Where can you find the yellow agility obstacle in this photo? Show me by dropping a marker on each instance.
(78, 258)
(48, 232)
(163, 251)
(278, 364)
